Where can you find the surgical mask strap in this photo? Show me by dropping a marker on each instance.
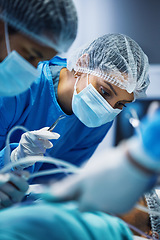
(87, 79)
(78, 79)
(7, 38)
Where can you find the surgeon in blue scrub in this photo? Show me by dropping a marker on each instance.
(111, 187)
(89, 88)
(30, 31)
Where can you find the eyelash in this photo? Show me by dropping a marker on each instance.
(121, 104)
(105, 93)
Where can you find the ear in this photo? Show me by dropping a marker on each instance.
(83, 61)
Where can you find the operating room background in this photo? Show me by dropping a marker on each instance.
(139, 19)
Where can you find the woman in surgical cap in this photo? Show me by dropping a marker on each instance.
(89, 89)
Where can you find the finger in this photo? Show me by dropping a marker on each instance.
(46, 143)
(23, 174)
(5, 200)
(36, 146)
(19, 182)
(45, 134)
(12, 192)
(4, 178)
(42, 144)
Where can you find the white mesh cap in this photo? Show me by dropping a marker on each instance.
(117, 59)
(51, 22)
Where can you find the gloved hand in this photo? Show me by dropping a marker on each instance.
(145, 147)
(33, 143)
(114, 181)
(13, 187)
(109, 183)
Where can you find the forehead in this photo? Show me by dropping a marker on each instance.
(30, 43)
(22, 43)
(100, 81)
(115, 78)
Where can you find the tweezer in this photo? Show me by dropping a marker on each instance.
(56, 122)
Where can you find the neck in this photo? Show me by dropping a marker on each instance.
(65, 90)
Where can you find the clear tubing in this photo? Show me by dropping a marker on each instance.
(37, 159)
(53, 171)
(146, 210)
(7, 150)
(7, 38)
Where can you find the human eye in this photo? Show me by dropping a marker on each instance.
(104, 92)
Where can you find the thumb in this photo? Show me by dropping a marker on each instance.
(45, 134)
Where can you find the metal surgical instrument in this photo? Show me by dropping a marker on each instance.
(56, 122)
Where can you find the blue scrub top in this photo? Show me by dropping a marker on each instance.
(37, 108)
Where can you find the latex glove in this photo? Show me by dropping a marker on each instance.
(13, 187)
(33, 143)
(145, 147)
(109, 183)
(114, 181)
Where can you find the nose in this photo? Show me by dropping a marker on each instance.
(112, 102)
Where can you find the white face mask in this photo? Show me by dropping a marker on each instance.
(91, 108)
(16, 73)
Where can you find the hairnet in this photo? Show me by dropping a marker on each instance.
(116, 58)
(51, 22)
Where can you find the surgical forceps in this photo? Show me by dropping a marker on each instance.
(56, 122)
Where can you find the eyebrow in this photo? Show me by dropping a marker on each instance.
(111, 87)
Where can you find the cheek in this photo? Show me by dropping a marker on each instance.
(81, 84)
(128, 96)
(96, 84)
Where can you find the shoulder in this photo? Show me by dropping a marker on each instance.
(58, 61)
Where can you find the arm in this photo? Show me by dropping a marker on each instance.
(114, 181)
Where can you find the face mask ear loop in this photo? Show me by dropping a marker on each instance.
(7, 38)
(75, 85)
(78, 80)
(87, 79)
